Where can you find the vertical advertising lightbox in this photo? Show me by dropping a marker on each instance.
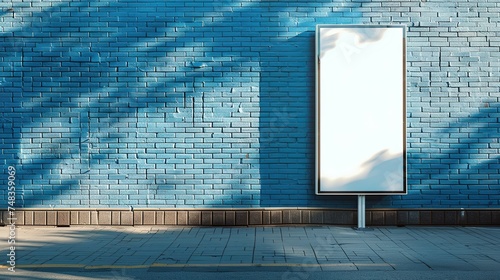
(360, 109)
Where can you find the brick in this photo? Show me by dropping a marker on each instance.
(437, 217)
(182, 218)
(485, 218)
(473, 217)
(346, 217)
(138, 217)
(159, 218)
(40, 218)
(276, 217)
(266, 217)
(51, 218)
(126, 218)
(74, 219)
(296, 217)
(316, 217)
(194, 218)
(104, 218)
(391, 218)
(171, 218)
(84, 217)
(425, 218)
(19, 216)
(287, 216)
(241, 218)
(377, 218)
(149, 217)
(94, 217)
(330, 217)
(402, 219)
(255, 218)
(206, 218)
(230, 218)
(28, 217)
(116, 217)
(219, 218)
(495, 218)
(451, 218)
(306, 216)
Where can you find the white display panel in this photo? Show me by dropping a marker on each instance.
(360, 109)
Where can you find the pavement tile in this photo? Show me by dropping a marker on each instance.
(327, 248)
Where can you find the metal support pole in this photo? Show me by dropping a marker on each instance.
(361, 212)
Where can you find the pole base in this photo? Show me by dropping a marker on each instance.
(362, 229)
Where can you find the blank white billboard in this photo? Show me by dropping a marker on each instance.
(360, 109)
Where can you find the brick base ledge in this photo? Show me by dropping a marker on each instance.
(248, 217)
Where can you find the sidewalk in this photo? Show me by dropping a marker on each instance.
(300, 248)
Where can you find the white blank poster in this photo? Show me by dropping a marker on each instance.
(360, 109)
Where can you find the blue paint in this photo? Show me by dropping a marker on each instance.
(104, 104)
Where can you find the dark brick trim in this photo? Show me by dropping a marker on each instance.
(246, 217)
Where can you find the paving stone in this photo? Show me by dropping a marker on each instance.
(328, 247)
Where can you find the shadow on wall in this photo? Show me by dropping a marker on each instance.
(287, 89)
(88, 127)
(287, 96)
(67, 124)
(457, 165)
(95, 127)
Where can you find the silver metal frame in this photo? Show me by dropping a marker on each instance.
(317, 108)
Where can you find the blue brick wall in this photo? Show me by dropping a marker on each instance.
(104, 103)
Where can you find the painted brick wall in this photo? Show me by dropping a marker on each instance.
(210, 103)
